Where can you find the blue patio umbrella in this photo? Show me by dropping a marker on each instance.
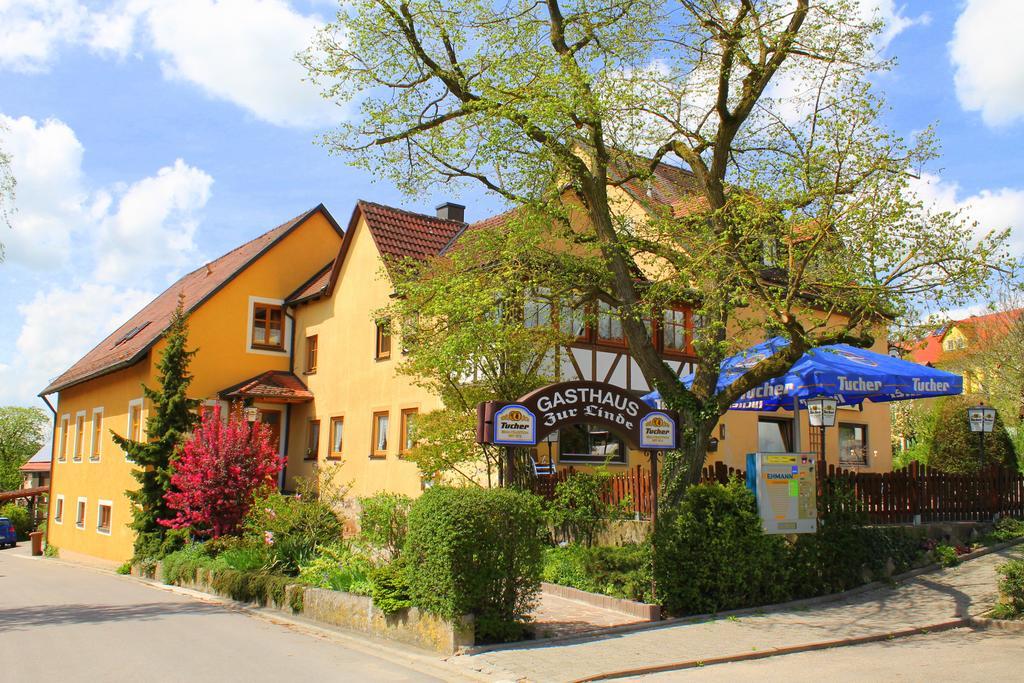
(838, 371)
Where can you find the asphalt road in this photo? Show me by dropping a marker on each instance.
(961, 655)
(60, 622)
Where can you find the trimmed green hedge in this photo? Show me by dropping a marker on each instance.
(476, 551)
(618, 571)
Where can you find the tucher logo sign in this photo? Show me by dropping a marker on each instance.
(514, 425)
(553, 407)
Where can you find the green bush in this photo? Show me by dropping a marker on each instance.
(956, 449)
(389, 587)
(153, 546)
(476, 551)
(1008, 529)
(621, 572)
(711, 554)
(182, 565)
(384, 522)
(338, 568)
(1011, 590)
(261, 587)
(845, 553)
(946, 555)
(125, 569)
(291, 528)
(577, 509)
(20, 518)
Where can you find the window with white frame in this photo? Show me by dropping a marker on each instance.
(134, 431)
(64, 438)
(96, 442)
(103, 512)
(79, 436)
(58, 510)
(80, 512)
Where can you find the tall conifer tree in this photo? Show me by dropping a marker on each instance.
(169, 423)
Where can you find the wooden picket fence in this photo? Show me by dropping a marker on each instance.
(895, 497)
(899, 496)
(630, 490)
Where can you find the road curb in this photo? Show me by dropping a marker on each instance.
(989, 624)
(761, 610)
(777, 651)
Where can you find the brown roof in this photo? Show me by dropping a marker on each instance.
(402, 234)
(35, 467)
(668, 186)
(274, 385)
(316, 286)
(132, 340)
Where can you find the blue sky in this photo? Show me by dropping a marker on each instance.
(150, 136)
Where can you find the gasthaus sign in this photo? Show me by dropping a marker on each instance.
(538, 414)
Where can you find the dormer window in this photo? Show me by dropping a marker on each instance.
(267, 326)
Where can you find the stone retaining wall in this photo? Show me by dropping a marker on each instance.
(411, 626)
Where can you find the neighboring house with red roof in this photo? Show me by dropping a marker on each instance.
(286, 324)
(953, 344)
(36, 472)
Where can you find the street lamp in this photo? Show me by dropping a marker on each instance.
(982, 419)
(821, 412)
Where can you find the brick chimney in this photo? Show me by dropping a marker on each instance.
(450, 211)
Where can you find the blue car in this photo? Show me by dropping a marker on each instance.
(7, 534)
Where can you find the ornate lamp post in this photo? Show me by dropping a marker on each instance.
(982, 419)
(821, 412)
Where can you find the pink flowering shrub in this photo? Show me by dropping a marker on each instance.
(221, 470)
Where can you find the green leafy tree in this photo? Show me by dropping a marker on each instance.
(955, 448)
(476, 325)
(22, 433)
(792, 213)
(171, 422)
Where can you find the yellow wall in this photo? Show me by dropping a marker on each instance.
(350, 383)
(218, 329)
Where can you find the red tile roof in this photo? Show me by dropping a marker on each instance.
(402, 234)
(273, 385)
(316, 286)
(131, 341)
(976, 327)
(35, 467)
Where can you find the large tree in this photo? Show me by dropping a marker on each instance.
(22, 433)
(169, 423)
(792, 213)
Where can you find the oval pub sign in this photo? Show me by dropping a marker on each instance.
(550, 408)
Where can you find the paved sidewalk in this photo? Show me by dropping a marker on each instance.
(556, 616)
(928, 599)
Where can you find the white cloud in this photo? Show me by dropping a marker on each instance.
(96, 245)
(992, 209)
(50, 202)
(59, 326)
(32, 30)
(155, 222)
(895, 22)
(238, 51)
(987, 53)
(242, 51)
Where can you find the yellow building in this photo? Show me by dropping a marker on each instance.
(286, 323)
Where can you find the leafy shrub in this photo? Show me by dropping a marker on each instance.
(946, 555)
(711, 554)
(845, 553)
(1008, 529)
(182, 565)
(389, 588)
(125, 569)
(261, 587)
(958, 450)
(291, 528)
(245, 557)
(336, 567)
(153, 546)
(222, 468)
(384, 522)
(51, 550)
(476, 551)
(20, 518)
(577, 509)
(621, 572)
(1011, 589)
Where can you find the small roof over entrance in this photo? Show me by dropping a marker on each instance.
(273, 386)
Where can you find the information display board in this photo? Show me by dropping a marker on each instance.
(786, 488)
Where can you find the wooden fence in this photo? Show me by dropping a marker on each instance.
(897, 497)
(631, 489)
(887, 497)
